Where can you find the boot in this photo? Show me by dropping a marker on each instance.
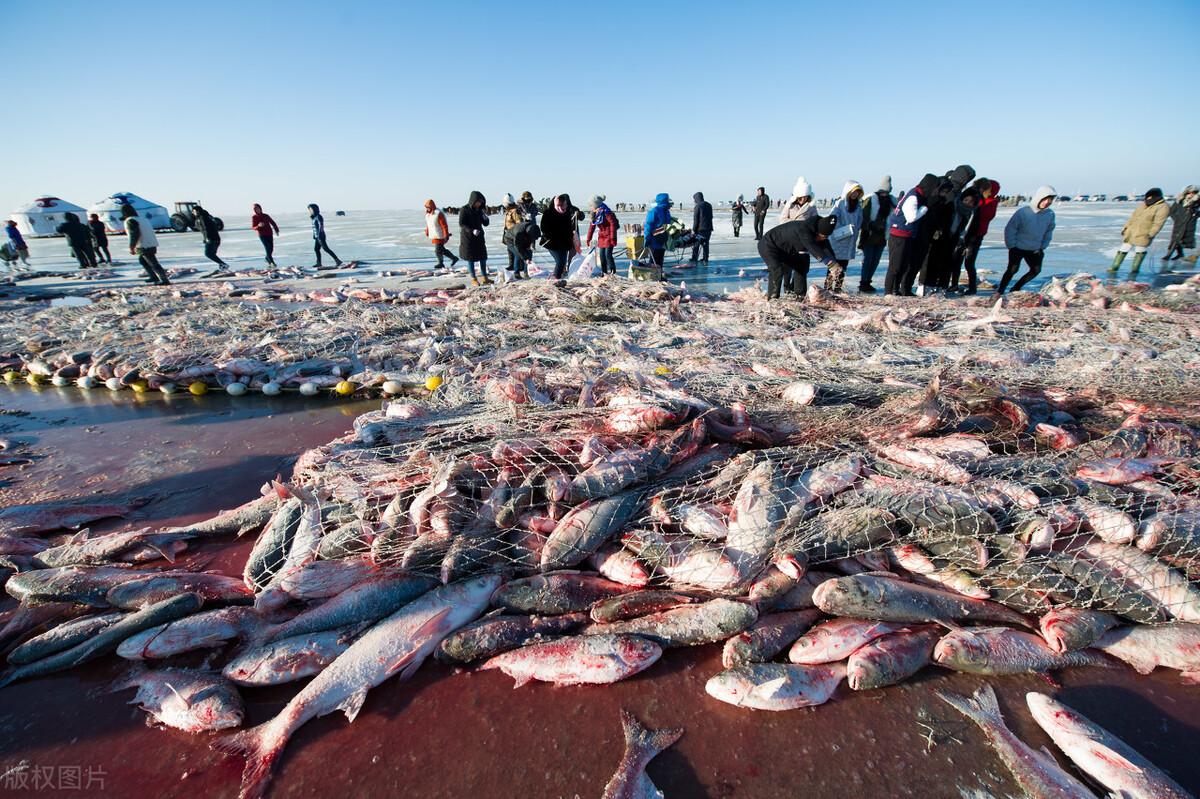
(1116, 264)
(1138, 257)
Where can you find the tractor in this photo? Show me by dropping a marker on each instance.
(184, 218)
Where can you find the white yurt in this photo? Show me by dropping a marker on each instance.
(109, 210)
(43, 215)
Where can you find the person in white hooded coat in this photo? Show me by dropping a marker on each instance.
(798, 207)
(1027, 235)
(847, 216)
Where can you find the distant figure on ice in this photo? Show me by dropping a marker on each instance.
(512, 218)
(702, 226)
(1027, 235)
(211, 235)
(318, 232)
(787, 248)
(604, 225)
(472, 219)
(977, 227)
(99, 238)
(655, 227)
(438, 232)
(262, 224)
(762, 204)
(17, 242)
(873, 238)
(143, 243)
(735, 215)
(1183, 214)
(1143, 225)
(79, 236)
(524, 233)
(560, 232)
(904, 229)
(847, 215)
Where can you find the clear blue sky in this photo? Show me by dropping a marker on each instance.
(381, 104)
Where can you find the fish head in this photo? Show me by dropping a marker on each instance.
(732, 686)
(1051, 714)
(636, 650)
(962, 648)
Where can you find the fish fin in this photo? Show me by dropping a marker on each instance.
(982, 708)
(407, 662)
(260, 746)
(1191, 677)
(131, 678)
(767, 689)
(79, 537)
(648, 743)
(520, 679)
(178, 695)
(353, 704)
(950, 625)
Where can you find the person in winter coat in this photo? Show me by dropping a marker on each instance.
(788, 247)
(942, 229)
(1027, 235)
(143, 242)
(1143, 225)
(79, 236)
(604, 225)
(438, 233)
(262, 224)
(1183, 215)
(560, 233)
(702, 226)
(472, 219)
(942, 267)
(904, 229)
(735, 215)
(762, 204)
(529, 208)
(19, 248)
(848, 214)
(99, 239)
(977, 228)
(873, 238)
(512, 218)
(655, 227)
(318, 232)
(800, 204)
(211, 235)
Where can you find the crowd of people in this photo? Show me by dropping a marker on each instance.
(932, 233)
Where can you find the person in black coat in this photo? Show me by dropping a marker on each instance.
(788, 248)
(762, 205)
(702, 226)
(79, 236)
(560, 232)
(472, 219)
(99, 238)
(942, 229)
(211, 234)
(735, 215)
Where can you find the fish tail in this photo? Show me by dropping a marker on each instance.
(130, 678)
(260, 746)
(647, 743)
(982, 708)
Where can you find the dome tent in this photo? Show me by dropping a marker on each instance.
(109, 210)
(43, 215)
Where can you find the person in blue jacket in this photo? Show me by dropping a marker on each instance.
(654, 230)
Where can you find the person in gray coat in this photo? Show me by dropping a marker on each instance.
(702, 226)
(1027, 235)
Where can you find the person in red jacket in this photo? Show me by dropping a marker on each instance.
(438, 232)
(977, 228)
(265, 227)
(604, 225)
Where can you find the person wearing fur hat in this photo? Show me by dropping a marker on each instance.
(604, 226)
(1143, 225)
(1027, 235)
(848, 214)
(702, 226)
(788, 248)
(1183, 215)
(735, 214)
(873, 238)
(761, 205)
(438, 232)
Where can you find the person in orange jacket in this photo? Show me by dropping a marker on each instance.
(438, 232)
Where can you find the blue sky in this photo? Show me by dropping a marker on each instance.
(381, 104)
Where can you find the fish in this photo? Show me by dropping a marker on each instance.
(689, 625)
(913, 559)
(249, 516)
(1037, 773)
(397, 645)
(1003, 650)
(620, 565)
(272, 545)
(1101, 755)
(891, 658)
(494, 634)
(214, 589)
(106, 640)
(64, 636)
(1146, 647)
(557, 592)
(767, 637)
(84, 585)
(24, 618)
(1108, 589)
(837, 639)
(639, 603)
(616, 471)
(1170, 533)
(80, 550)
(322, 579)
(885, 598)
(192, 701)
(302, 551)
(776, 686)
(641, 746)
(1071, 629)
(841, 532)
(1112, 525)
(205, 630)
(800, 596)
(925, 463)
(578, 660)
(18, 520)
(289, 659)
(1118, 471)
(367, 601)
(1149, 576)
(585, 528)
(759, 510)
(773, 584)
